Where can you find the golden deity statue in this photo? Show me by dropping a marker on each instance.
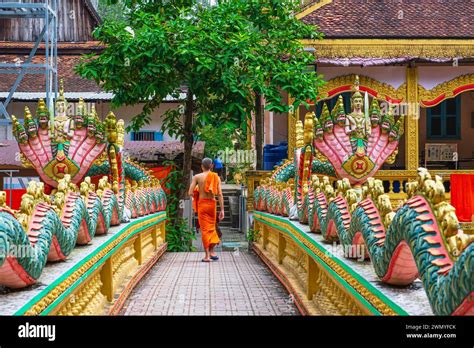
(63, 124)
(358, 125)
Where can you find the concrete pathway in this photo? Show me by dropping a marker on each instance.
(238, 284)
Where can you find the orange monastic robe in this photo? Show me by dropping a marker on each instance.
(206, 208)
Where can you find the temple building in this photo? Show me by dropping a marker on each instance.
(76, 22)
(417, 56)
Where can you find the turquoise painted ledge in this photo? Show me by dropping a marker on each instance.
(20, 301)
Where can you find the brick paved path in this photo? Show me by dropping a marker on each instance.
(238, 284)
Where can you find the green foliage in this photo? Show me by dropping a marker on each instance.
(252, 235)
(217, 139)
(112, 12)
(223, 54)
(178, 234)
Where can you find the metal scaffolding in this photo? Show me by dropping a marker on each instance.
(46, 10)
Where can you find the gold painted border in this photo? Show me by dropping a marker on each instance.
(391, 48)
(378, 304)
(383, 90)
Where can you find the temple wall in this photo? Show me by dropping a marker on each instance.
(127, 113)
(103, 107)
(466, 143)
(392, 75)
(280, 124)
(431, 76)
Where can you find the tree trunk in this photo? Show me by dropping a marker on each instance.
(188, 143)
(259, 124)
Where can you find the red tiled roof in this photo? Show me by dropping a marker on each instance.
(395, 19)
(36, 83)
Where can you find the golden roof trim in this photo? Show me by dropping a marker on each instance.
(391, 48)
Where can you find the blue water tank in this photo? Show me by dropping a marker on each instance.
(274, 155)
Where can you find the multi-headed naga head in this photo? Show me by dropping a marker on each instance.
(42, 113)
(100, 133)
(59, 201)
(81, 113)
(134, 186)
(387, 120)
(315, 183)
(19, 131)
(318, 129)
(326, 120)
(92, 121)
(30, 124)
(31, 188)
(375, 113)
(339, 113)
(352, 199)
(115, 187)
(397, 130)
(63, 184)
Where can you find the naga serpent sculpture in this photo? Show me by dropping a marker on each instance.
(419, 239)
(66, 152)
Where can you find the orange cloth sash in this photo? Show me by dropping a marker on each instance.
(206, 209)
(211, 184)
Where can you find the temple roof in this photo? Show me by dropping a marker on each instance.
(392, 19)
(37, 83)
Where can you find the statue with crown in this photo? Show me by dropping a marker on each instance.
(359, 143)
(58, 144)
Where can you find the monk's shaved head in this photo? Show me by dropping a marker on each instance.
(207, 163)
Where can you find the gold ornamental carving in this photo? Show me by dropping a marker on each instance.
(445, 90)
(390, 48)
(384, 91)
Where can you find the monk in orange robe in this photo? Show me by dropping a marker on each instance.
(203, 189)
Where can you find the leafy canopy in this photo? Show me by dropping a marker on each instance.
(222, 54)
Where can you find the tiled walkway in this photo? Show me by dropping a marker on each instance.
(238, 284)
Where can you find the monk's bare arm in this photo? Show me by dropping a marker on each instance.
(221, 201)
(192, 187)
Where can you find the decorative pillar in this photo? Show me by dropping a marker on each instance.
(107, 279)
(412, 121)
(293, 116)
